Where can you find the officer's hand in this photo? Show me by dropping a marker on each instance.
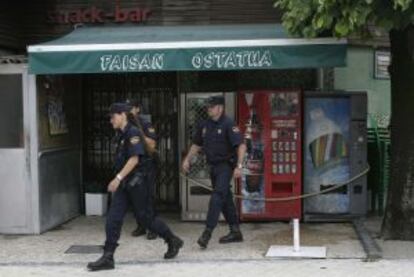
(237, 173)
(186, 165)
(113, 185)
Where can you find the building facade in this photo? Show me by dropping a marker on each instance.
(73, 137)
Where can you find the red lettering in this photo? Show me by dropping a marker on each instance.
(145, 14)
(135, 15)
(86, 16)
(96, 15)
(74, 17)
(120, 15)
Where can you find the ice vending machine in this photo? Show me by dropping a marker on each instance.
(335, 150)
(271, 123)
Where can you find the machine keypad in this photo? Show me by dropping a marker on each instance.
(284, 151)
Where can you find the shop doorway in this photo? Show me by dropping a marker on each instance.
(158, 94)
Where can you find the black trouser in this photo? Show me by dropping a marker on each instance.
(151, 178)
(133, 192)
(221, 200)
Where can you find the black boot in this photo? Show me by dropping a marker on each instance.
(174, 245)
(151, 235)
(204, 239)
(139, 231)
(235, 235)
(105, 262)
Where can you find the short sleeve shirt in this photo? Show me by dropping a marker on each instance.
(129, 145)
(148, 128)
(219, 139)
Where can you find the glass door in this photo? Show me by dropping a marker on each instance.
(193, 110)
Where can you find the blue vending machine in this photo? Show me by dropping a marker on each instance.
(335, 150)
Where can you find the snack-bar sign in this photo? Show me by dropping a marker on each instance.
(94, 14)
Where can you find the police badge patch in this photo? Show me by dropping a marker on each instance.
(134, 140)
(236, 129)
(151, 130)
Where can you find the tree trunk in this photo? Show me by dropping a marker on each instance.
(399, 215)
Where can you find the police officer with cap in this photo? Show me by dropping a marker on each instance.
(129, 189)
(146, 127)
(221, 141)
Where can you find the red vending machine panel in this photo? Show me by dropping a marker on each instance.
(271, 123)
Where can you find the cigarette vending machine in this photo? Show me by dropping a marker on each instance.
(271, 122)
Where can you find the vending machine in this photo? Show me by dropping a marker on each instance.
(271, 123)
(335, 150)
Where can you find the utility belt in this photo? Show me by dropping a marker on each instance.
(135, 178)
(232, 162)
(145, 163)
(139, 174)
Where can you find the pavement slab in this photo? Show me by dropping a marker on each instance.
(339, 238)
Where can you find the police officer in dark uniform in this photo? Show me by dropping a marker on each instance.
(129, 188)
(221, 140)
(151, 139)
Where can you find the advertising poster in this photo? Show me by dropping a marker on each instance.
(55, 109)
(326, 147)
(252, 181)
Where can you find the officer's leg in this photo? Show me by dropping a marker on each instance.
(206, 235)
(139, 196)
(114, 219)
(230, 211)
(140, 199)
(230, 214)
(113, 228)
(139, 230)
(151, 178)
(221, 176)
(150, 182)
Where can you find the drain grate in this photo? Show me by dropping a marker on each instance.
(84, 249)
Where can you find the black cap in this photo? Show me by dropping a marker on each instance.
(215, 100)
(135, 103)
(119, 108)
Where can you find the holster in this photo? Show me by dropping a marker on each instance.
(137, 178)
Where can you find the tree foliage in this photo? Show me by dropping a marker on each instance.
(341, 18)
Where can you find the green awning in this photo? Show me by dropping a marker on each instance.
(182, 48)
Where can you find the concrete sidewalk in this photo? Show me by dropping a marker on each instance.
(271, 268)
(340, 239)
(45, 254)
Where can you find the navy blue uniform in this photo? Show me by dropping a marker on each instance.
(219, 141)
(133, 190)
(149, 132)
(147, 127)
